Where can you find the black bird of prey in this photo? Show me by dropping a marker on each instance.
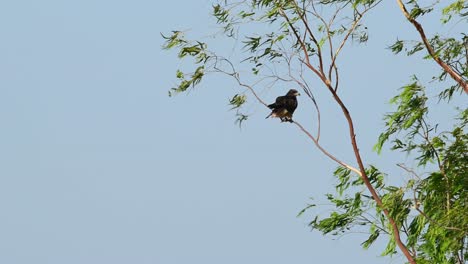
(284, 106)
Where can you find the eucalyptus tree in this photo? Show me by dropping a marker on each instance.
(425, 217)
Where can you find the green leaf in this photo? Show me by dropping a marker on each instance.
(305, 209)
(391, 247)
(237, 101)
(174, 40)
(374, 234)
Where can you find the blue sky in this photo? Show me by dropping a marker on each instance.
(99, 165)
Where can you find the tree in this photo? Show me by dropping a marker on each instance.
(425, 217)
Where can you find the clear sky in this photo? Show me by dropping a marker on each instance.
(98, 165)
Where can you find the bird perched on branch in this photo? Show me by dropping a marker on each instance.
(284, 106)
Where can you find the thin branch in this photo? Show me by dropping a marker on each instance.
(319, 122)
(308, 91)
(329, 36)
(437, 224)
(311, 34)
(235, 75)
(317, 144)
(416, 207)
(303, 46)
(409, 170)
(426, 137)
(455, 76)
(345, 39)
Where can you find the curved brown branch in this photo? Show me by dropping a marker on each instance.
(330, 42)
(305, 87)
(365, 178)
(362, 172)
(303, 17)
(455, 76)
(303, 46)
(319, 120)
(324, 151)
(236, 76)
(345, 39)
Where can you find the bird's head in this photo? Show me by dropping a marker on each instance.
(293, 92)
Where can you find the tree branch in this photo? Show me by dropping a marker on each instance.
(365, 178)
(324, 151)
(311, 34)
(455, 76)
(362, 171)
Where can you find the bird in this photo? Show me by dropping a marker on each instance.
(284, 106)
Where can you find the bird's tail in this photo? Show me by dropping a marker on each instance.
(272, 114)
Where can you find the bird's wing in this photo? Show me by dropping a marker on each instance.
(280, 100)
(285, 102)
(278, 103)
(272, 106)
(289, 103)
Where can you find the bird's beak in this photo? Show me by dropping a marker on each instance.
(298, 94)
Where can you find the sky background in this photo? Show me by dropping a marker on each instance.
(99, 165)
